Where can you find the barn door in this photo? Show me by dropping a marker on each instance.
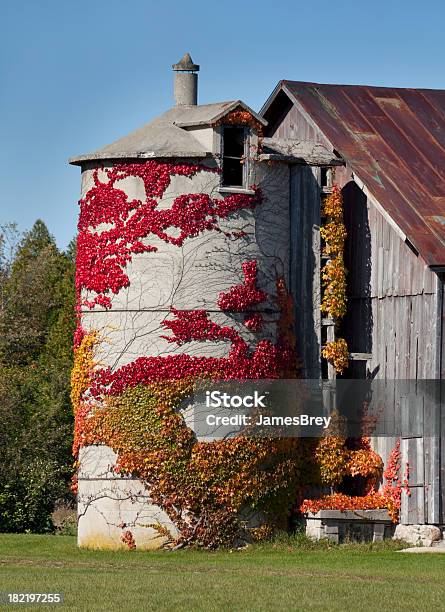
(420, 450)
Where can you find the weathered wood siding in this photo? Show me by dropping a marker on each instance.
(304, 270)
(395, 313)
(441, 362)
(292, 123)
(392, 295)
(392, 314)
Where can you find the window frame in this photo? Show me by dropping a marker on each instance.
(245, 159)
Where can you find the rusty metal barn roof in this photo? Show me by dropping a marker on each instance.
(394, 141)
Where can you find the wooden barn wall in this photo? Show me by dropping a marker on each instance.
(286, 121)
(304, 270)
(293, 124)
(394, 313)
(393, 303)
(441, 363)
(392, 295)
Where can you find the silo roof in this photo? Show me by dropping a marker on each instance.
(167, 136)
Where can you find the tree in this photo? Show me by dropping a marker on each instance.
(36, 327)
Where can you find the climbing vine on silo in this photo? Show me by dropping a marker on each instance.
(82, 376)
(102, 256)
(201, 486)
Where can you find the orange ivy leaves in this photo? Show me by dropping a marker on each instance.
(339, 458)
(334, 235)
(198, 484)
(334, 282)
(342, 502)
(365, 462)
(333, 205)
(331, 456)
(239, 117)
(361, 462)
(336, 461)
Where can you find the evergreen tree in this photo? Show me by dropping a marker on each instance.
(36, 327)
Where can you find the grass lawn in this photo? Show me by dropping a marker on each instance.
(287, 575)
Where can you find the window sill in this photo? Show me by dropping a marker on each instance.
(236, 190)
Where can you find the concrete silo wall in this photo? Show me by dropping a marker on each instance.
(186, 276)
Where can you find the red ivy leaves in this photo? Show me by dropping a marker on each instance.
(103, 253)
(128, 539)
(196, 325)
(266, 361)
(254, 323)
(242, 297)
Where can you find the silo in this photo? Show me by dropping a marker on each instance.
(182, 264)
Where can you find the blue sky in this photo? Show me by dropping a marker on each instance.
(77, 75)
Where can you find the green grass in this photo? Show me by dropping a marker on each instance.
(290, 574)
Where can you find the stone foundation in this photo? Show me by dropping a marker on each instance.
(355, 525)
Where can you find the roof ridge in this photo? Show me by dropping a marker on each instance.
(364, 85)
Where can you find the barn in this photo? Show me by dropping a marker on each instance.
(205, 215)
(392, 146)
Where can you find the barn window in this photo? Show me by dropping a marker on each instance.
(326, 177)
(234, 142)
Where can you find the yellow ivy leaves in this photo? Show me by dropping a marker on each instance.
(83, 367)
(334, 235)
(332, 458)
(337, 353)
(81, 378)
(334, 283)
(333, 276)
(333, 205)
